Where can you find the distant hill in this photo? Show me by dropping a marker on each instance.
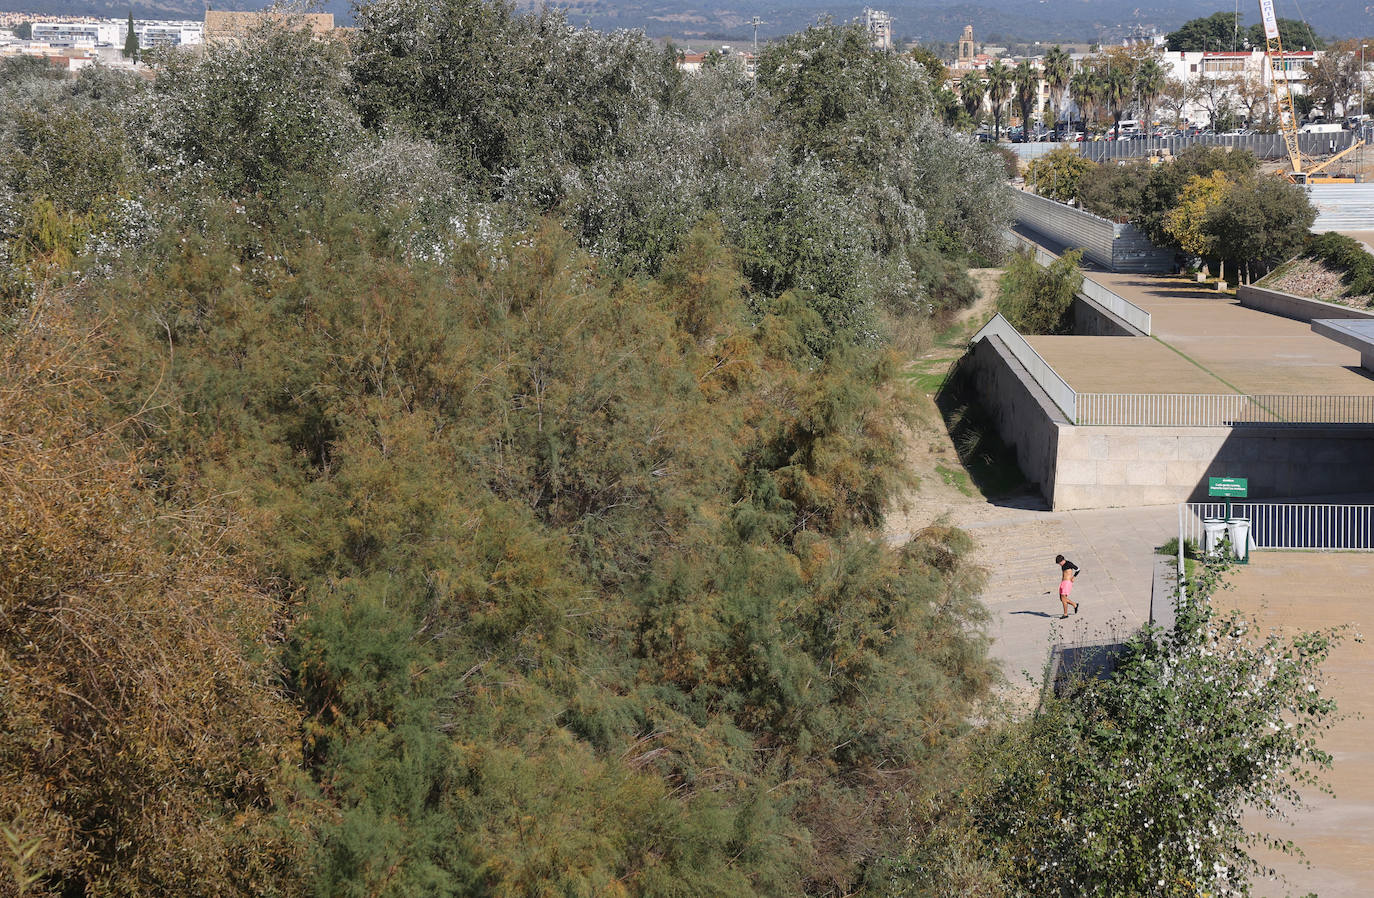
(1029, 20)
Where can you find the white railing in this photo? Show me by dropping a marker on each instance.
(1119, 306)
(1220, 409)
(1160, 409)
(1122, 308)
(1059, 391)
(1275, 525)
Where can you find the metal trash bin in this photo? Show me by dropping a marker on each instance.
(1213, 532)
(1239, 529)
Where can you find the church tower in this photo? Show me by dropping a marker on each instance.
(966, 48)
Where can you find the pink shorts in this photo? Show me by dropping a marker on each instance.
(1065, 587)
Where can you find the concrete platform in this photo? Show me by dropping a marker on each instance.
(1252, 351)
(1310, 590)
(1124, 365)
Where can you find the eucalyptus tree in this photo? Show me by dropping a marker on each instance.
(1058, 69)
(999, 91)
(1027, 83)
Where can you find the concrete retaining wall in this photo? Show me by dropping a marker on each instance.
(1297, 307)
(1023, 414)
(1118, 247)
(1098, 467)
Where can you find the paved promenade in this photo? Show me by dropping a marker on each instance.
(1310, 590)
(1016, 544)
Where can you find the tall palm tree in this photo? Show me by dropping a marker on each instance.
(1058, 69)
(1027, 84)
(1117, 85)
(1149, 83)
(971, 94)
(1083, 92)
(999, 91)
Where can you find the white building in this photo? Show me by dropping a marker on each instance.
(879, 26)
(91, 33)
(85, 34)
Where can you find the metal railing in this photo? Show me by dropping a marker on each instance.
(1122, 308)
(1059, 391)
(1220, 409)
(1275, 525)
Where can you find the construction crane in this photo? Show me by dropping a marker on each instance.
(1288, 122)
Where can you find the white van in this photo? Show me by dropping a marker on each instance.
(1328, 128)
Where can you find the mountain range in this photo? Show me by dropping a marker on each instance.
(927, 20)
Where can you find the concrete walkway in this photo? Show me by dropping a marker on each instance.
(1289, 591)
(1016, 544)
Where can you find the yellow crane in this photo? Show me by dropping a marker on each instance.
(1288, 122)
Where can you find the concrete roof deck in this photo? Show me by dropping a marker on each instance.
(1254, 351)
(1124, 365)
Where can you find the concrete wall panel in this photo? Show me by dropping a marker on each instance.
(1022, 412)
(1297, 307)
(1115, 246)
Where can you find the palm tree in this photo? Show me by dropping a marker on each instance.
(1027, 93)
(1116, 91)
(971, 93)
(999, 91)
(1058, 68)
(1083, 91)
(1149, 83)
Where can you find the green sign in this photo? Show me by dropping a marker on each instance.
(1230, 487)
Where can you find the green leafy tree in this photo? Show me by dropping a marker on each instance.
(250, 119)
(1027, 83)
(1139, 783)
(971, 94)
(1149, 84)
(1215, 32)
(1058, 68)
(844, 102)
(1161, 191)
(1036, 300)
(1084, 89)
(1264, 220)
(937, 73)
(1058, 173)
(1294, 33)
(1113, 191)
(999, 91)
(500, 90)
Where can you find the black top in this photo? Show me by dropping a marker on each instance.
(1069, 564)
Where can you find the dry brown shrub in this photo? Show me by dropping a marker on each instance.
(143, 742)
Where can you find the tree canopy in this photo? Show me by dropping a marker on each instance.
(1225, 31)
